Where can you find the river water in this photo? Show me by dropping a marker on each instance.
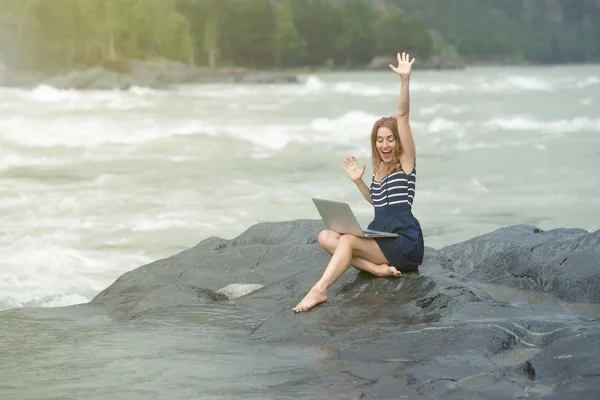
(94, 184)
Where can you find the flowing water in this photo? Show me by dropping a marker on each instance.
(94, 184)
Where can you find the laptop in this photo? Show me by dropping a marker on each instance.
(339, 218)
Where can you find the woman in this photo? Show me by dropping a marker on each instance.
(391, 193)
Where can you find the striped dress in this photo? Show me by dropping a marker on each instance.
(392, 201)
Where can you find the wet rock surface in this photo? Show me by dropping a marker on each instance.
(511, 314)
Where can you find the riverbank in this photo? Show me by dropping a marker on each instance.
(160, 74)
(474, 322)
(156, 74)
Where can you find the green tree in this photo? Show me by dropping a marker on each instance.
(543, 31)
(289, 47)
(55, 34)
(22, 11)
(58, 34)
(355, 41)
(211, 39)
(318, 24)
(254, 33)
(389, 33)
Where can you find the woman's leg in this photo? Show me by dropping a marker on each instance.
(329, 241)
(348, 247)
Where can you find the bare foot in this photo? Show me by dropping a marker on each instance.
(312, 298)
(392, 271)
(384, 270)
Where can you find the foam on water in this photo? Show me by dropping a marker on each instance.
(353, 124)
(45, 93)
(272, 137)
(516, 82)
(468, 146)
(50, 269)
(163, 221)
(440, 108)
(437, 88)
(354, 88)
(12, 158)
(441, 124)
(144, 91)
(589, 81)
(92, 132)
(313, 83)
(91, 182)
(218, 92)
(524, 123)
(77, 131)
(74, 100)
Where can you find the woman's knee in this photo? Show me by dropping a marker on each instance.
(328, 239)
(347, 240)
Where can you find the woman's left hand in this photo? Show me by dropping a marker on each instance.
(404, 65)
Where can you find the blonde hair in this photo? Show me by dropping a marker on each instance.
(394, 165)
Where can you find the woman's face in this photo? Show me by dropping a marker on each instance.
(386, 144)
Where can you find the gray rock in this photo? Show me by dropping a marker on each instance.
(263, 255)
(433, 334)
(236, 290)
(94, 78)
(564, 262)
(267, 77)
(173, 295)
(156, 74)
(11, 78)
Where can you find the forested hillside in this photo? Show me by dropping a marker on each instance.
(539, 31)
(53, 35)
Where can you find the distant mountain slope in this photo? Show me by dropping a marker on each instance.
(543, 31)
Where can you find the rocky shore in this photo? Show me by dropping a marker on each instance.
(157, 74)
(160, 74)
(507, 315)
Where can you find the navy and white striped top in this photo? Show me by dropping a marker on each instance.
(396, 188)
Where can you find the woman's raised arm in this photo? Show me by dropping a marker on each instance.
(356, 173)
(407, 158)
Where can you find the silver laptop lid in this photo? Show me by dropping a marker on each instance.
(338, 216)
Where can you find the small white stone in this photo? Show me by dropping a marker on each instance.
(236, 290)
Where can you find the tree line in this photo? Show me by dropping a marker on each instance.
(61, 34)
(537, 31)
(58, 34)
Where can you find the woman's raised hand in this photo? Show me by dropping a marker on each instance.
(352, 168)
(404, 65)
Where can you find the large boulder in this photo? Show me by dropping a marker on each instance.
(94, 78)
(438, 333)
(563, 262)
(263, 255)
